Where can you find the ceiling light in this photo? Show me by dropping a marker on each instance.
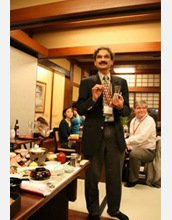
(124, 70)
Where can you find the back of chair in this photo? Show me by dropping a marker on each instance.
(55, 130)
(59, 149)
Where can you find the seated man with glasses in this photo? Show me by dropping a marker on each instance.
(141, 142)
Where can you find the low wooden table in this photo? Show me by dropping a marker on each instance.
(19, 142)
(53, 206)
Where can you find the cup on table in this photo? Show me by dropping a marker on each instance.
(75, 160)
(78, 160)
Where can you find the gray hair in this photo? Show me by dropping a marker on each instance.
(140, 102)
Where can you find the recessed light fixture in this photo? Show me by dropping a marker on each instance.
(125, 70)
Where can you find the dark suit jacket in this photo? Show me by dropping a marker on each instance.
(94, 122)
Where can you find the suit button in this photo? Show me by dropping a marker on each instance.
(102, 127)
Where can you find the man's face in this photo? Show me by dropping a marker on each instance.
(103, 60)
(140, 111)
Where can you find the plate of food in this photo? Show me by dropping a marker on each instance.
(12, 154)
(73, 136)
(25, 171)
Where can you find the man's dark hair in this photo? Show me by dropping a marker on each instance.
(74, 105)
(103, 48)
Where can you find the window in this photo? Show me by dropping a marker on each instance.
(131, 99)
(148, 80)
(130, 79)
(152, 99)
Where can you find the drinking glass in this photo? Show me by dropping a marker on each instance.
(30, 130)
(117, 89)
(78, 160)
(23, 153)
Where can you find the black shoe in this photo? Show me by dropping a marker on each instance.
(94, 217)
(119, 215)
(130, 184)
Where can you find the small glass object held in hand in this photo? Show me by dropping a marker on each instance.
(117, 89)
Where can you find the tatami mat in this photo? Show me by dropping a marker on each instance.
(139, 203)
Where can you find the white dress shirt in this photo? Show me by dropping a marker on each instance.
(142, 133)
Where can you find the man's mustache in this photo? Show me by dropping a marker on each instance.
(103, 62)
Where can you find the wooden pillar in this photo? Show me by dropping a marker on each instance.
(69, 87)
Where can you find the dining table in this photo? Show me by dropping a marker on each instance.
(54, 205)
(19, 142)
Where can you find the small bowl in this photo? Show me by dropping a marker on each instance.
(40, 173)
(51, 156)
(55, 169)
(69, 169)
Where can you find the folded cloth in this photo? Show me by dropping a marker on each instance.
(37, 188)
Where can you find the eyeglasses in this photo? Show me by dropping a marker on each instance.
(140, 108)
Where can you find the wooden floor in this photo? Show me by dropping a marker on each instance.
(75, 215)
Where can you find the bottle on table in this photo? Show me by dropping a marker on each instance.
(12, 132)
(16, 128)
(81, 130)
(35, 129)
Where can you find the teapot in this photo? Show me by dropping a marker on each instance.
(61, 157)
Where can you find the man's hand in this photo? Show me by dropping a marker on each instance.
(97, 91)
(127, 151)
(118, 101)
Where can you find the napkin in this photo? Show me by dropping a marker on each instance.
(37, 188)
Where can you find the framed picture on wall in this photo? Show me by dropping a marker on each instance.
(40, 97)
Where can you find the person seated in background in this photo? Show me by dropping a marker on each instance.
(65, 129)
(77, 120)
(141, 142)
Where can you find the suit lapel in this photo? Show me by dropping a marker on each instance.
(96, 79)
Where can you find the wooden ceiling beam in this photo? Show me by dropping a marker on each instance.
(145, 89)
(101, 21)
(116, 48)
(36, 15)
(44, 53)
(23, 39)
(130, 62)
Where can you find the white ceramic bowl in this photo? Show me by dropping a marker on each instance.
(55, 168)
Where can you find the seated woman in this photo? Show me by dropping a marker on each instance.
(65, 129)
(77, 120)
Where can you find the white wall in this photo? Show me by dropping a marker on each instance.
(23, 72)
(58, 99)
(45, 76)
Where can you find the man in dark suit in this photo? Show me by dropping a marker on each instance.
(103, 138)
